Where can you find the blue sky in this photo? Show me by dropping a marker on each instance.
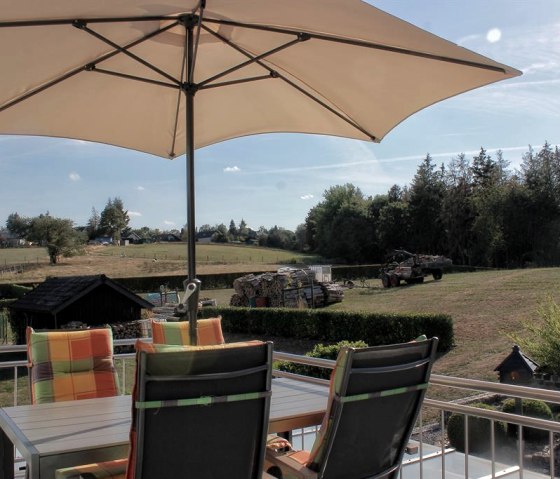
(275, 179)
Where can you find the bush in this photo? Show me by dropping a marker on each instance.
(541, 339)
(531, 408)
(323, 352)
(479, 431)
(333, 326)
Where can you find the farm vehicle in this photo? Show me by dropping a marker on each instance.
(400, 265)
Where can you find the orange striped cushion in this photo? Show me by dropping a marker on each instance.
(103, 470)
(68, 365)
(209, 332)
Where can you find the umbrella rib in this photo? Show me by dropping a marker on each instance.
(201, 6)
(252, 60)
(235, 82)
(362, 43)
(179, 95)
(79, 69)
(70, 21)
(276, 74)
(124, 50)
(93, 68)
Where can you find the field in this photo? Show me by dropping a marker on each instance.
(144, 260)
(485, 307)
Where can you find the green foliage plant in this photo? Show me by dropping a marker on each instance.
(531, 408)
(334, 326)
(541, 339)
(322, 351)
(479, 430)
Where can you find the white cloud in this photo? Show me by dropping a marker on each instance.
(168, 223)
(134, 213)
(140, 188)
(307, 197)
(494, 35)
(232, 169)
(74, 176)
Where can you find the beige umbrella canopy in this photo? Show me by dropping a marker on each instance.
(168, 77)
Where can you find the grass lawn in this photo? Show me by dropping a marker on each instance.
(155, 259)
(485, 307)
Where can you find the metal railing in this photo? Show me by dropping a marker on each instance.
(427, 452)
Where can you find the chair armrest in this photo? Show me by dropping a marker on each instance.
(288, 465)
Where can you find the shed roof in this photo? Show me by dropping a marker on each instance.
(515, 360)
(56, 293)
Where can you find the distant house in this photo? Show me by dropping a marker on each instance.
(168, 238)
(10, 240)
(133, 238)
(93, 300)
(104, 240)
(205, 236)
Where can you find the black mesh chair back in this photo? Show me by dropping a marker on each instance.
(202, 414)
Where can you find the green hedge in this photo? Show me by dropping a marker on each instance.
(531, 408)
(479, 430)
(324, 325)
(320, 351)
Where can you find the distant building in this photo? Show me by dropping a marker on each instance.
(168, 238)
(132, 238)
(93, 300)
(205, 236)
(104, 240)
(10, 240)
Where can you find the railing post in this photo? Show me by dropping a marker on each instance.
(442, 444)
(15, 386)
(466, 445)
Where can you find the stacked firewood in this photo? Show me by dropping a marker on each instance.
(333, 292)
(289, 287)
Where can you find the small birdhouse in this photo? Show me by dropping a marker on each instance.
(517, 368)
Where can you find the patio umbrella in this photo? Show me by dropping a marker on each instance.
(172, 76)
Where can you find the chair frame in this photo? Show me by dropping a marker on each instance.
(337, 406)
(143, 379)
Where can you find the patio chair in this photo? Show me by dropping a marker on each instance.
(199, 412)
(209, 332)
(69, 365)
(375, 397)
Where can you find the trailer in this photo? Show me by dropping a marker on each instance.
(401, 265)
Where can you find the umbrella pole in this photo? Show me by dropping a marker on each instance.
(189, 306)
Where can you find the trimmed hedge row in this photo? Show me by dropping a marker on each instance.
(324, 325)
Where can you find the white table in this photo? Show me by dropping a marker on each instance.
(63, 434)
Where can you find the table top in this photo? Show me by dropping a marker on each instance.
(101, 425)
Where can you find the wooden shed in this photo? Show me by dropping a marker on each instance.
(93, 300)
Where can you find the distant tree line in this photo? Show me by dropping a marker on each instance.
(275, 237)
(476, 211)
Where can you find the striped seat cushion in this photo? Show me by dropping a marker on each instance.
(103, 470)
(69, 365)
(209, 332)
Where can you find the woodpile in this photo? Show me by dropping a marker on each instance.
(289, 287)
